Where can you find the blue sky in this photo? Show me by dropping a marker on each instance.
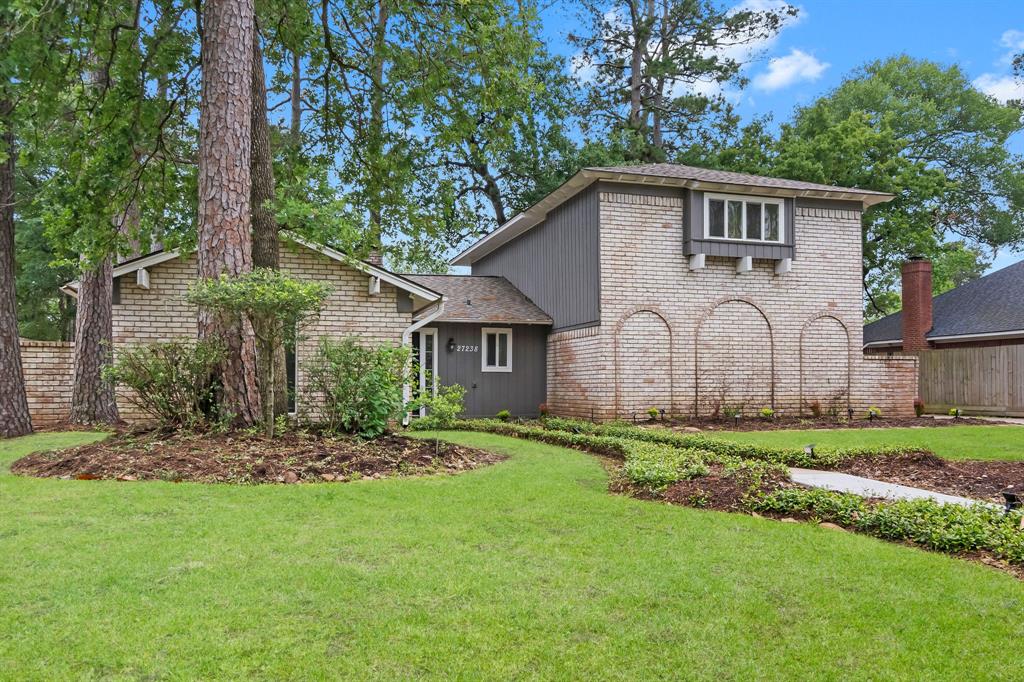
(830, 38)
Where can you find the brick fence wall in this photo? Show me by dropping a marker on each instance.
(48, 367)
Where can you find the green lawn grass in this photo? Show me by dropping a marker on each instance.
(525, 569)
(952, 442)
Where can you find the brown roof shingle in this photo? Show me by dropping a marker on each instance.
(478, 298)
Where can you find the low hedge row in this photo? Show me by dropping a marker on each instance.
(795, 457)
(943, 527)
(647, 463)
(655, 459)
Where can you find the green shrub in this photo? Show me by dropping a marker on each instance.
(170, 381)
(767, 413)
(653, 413)
(874, 412)
(732, 411)
(954, 412)
(358, 389)
(504, 415)
(443, 409)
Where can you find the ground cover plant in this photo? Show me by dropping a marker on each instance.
(524, 569)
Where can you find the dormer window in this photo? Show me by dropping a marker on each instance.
(732, 217)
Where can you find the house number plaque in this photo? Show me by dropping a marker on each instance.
(467, 349)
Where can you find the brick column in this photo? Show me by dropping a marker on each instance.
(917, 303)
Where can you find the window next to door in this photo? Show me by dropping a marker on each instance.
(496, 343)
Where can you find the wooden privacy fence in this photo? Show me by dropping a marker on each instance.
(987, 380)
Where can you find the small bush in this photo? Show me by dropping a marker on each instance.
(732, 411)
(815, 407)
(954, 412)
(652, 412)
(170, 381)
(359, 388)
(918, 407)
(767, 413)
(443, 409)
(504, 415)
(874, 412)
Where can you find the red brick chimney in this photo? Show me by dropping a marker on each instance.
(917, 303)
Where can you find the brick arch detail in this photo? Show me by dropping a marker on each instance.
(617, 347)
(704, 317)
(849, 353)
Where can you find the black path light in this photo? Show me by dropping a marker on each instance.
(809, 449)
(1012, 499)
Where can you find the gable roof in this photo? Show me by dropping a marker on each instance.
(987, 306)
(482, 299)
(663, 174)
(161, 256)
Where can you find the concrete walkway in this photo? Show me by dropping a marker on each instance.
(868, 487)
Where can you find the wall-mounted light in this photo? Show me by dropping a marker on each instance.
(451, 345)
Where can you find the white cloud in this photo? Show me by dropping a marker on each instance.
(1002, 88)
(1013, 41)
(795, 67)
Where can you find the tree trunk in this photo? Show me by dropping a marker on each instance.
(225, 183)
(92, 398)
(265, 243)
(375, 146)
(296, 122)
(14, 416)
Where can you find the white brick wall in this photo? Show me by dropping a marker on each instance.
(687, 340)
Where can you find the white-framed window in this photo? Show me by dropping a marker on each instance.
(496, 349)
(734, 217)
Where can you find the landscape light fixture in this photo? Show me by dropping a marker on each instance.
(451, 345)
(809, 449)
(1013, 500)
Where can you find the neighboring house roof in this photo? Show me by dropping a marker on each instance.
(664, 174)
(396, 280)
(482, 299)
(989, 306)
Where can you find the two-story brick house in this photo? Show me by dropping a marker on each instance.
(665, 286)
(692, 290)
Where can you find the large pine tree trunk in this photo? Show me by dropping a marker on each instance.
(14, 416)
(225, 183)
(92, 398)
(265, 253)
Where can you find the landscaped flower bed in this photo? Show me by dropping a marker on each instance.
(240, 457)
(698, 471)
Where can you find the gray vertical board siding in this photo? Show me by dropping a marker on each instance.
(557, 263)
(520, 391)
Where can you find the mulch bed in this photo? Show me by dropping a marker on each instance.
(983, 480)
(244, 458)
(789, 423)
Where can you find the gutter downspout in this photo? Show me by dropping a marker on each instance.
(407, 339)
